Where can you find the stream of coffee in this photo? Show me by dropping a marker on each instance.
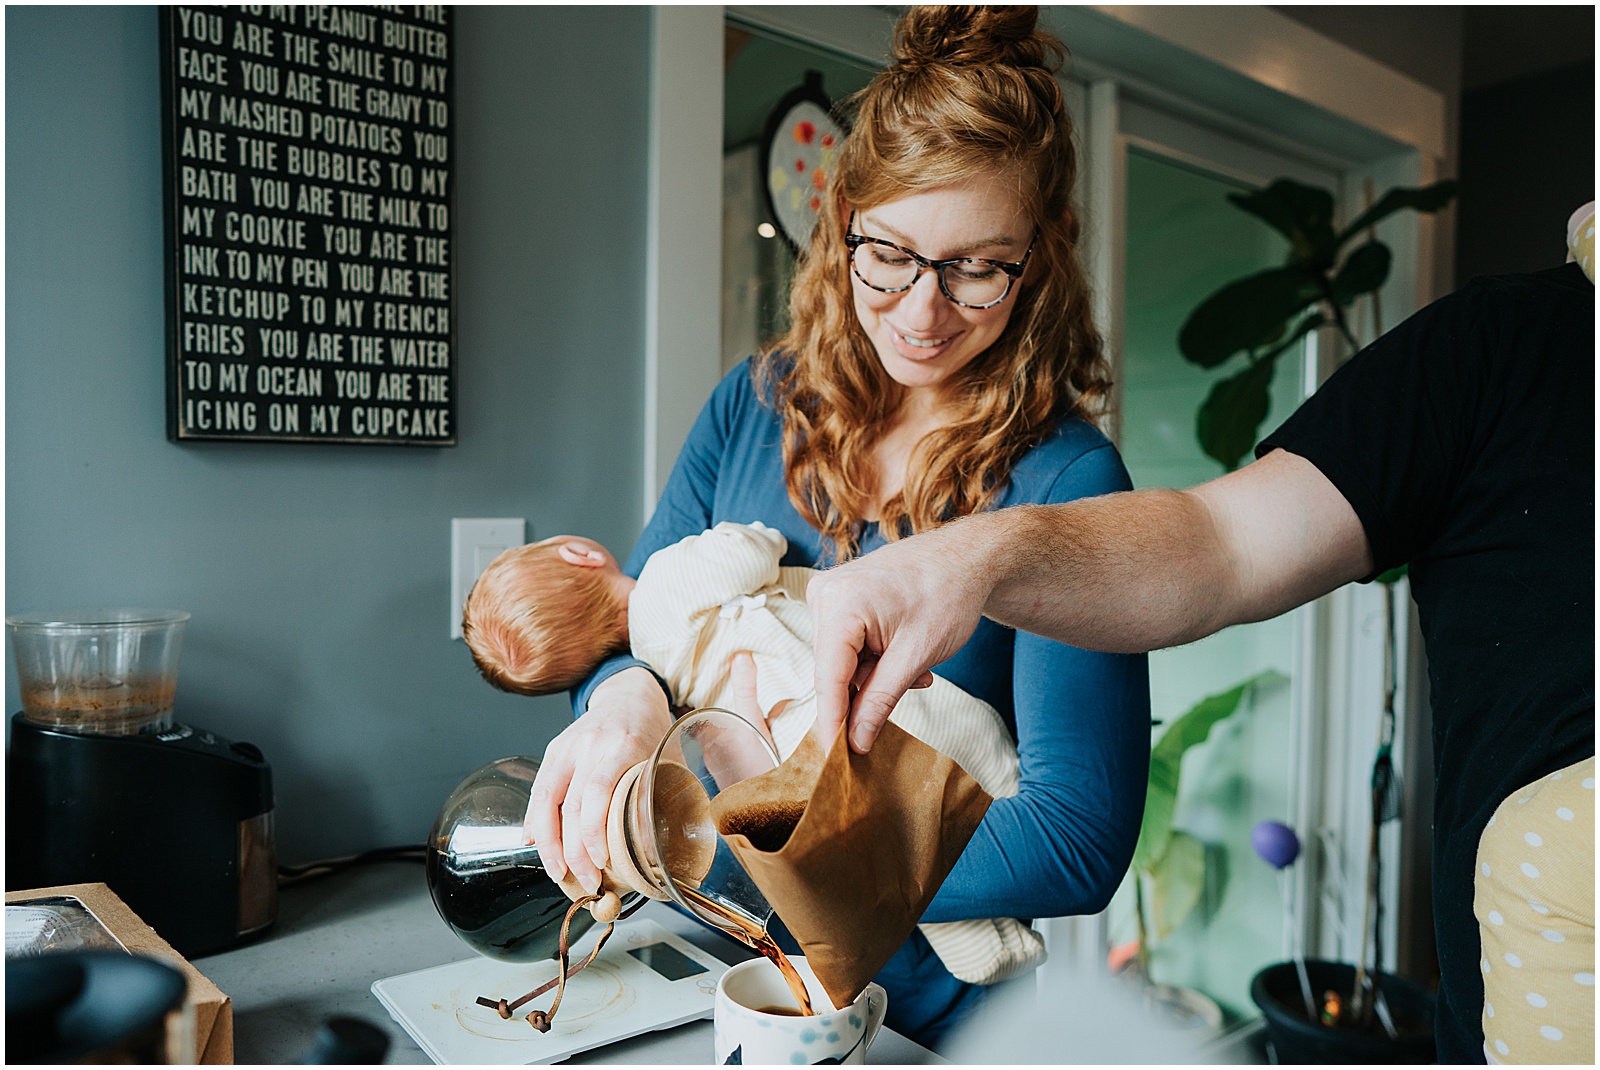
(749, 932)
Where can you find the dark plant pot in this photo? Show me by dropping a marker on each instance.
(1276, 990)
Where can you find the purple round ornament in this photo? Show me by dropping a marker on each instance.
(1276, 843)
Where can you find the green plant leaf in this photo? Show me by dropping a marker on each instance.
(1176, 884)
(1246, 314)
(1229, 419)
(1307, 325)
(1155, 829)
(1195, 725)
(1363, 271)
(1424, 199)
(1231, 414)
(1303, 214)
(1166, 758)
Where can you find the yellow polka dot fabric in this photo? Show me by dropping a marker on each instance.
(1534, 899)
(1580, 239)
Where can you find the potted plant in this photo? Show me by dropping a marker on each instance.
(1169, 864)
(1332, 1012)
(1371, 1017)
(1304, 1000)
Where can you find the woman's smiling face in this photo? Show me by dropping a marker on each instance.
(922, 337)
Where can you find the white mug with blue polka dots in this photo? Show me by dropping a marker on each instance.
(746, 1032)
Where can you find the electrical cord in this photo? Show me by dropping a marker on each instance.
(309, 871)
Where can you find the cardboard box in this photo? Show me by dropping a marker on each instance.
(200, 1032)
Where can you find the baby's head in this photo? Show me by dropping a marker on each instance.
(542, 616)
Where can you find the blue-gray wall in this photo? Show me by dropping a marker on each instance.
(318, 576)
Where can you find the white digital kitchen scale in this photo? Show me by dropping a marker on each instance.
(646, 978)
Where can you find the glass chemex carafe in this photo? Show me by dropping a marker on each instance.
(491, 887)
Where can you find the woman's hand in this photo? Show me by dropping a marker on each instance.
(626, 719)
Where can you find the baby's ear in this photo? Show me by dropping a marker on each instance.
(576, 553)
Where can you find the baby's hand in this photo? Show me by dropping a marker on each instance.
(746, 702)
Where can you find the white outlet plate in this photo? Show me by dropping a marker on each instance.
(473, 544)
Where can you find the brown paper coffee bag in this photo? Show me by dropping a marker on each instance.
(850, 848)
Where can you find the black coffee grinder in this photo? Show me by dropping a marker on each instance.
(103, 785)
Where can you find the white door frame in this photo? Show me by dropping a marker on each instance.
(683, 306)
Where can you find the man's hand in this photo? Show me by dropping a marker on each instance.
(882, 621)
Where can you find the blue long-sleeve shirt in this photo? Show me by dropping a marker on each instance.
(1081, 719)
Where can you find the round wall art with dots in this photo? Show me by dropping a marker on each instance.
(799, 145)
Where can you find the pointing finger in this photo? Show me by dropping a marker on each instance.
(880, 693)
(838, 651)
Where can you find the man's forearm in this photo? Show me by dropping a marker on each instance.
(1155, 568)
(1121, 573)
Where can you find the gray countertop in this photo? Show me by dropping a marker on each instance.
(337, 935)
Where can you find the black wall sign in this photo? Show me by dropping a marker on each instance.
(309, 187)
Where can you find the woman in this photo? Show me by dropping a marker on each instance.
(941, 361)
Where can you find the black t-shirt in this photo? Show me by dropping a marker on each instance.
(1464, 440)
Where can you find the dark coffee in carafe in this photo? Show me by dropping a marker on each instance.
(508, 910)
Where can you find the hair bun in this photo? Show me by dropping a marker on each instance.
(974, 35)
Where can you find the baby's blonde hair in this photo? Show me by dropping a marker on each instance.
(537, 625)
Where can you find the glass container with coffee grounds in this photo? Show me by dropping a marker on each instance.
(107, 672)
(674, 839)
